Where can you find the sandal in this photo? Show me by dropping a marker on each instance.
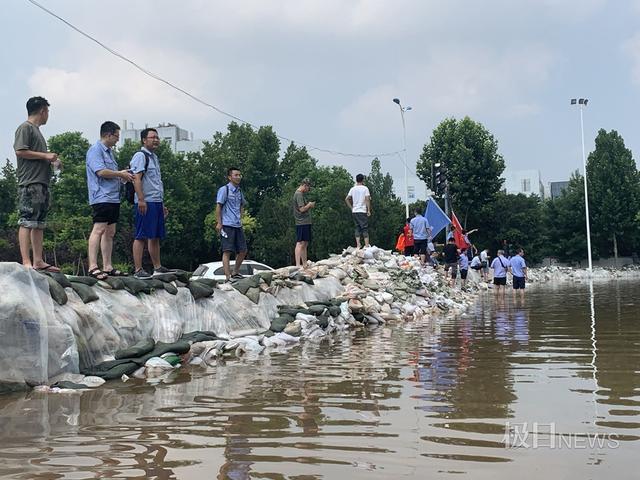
(48, 268)
(114, 272)
(97, 274)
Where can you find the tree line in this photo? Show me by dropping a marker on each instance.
(270, 177)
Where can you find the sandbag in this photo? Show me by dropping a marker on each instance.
(253, 294)
(86, 280)
(246, 283)
(85, 292)
(61, 278)
(323, 321)
(134, 285)
(278, 324)
(112, 369)
(155, 283)
(57, 292)
(316, 309)
(334, 311)
(267, 277)
(199, 290)
(137, 350)
(68, 385)
(199, 336)
(209, 282)
(171, 288)
(182, 275)
(115, 283)
(165, 277)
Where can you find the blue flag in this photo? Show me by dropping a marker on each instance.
(435, 217)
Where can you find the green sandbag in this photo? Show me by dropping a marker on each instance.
(278, 324)
(112, 369)
(155, 283)
(317, 302)
(269, 333)
(334, 311)
(182, 275)
(245, 284)
(56, 291)
(69, 385)
(61, 278)
(199, 336)
(209, 282)
(359, 317)
(116, 283)
(323, 321)
(199, 290)
(301, 277)
(137, 350)
(171, 288)
(317, 309)
(86, 280)
(180, 284)
(85, 292)
(293, 311)
(253, 294)
(165, 277)
(161, 348)
(267, 277)
(134, 285)
(171, 359)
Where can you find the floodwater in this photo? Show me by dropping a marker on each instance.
(545, 389)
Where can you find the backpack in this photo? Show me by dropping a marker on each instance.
(129, 190)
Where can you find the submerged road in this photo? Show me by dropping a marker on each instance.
(545, 388)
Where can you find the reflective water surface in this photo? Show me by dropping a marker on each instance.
(545, 388)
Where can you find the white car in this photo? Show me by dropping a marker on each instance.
(215, 270)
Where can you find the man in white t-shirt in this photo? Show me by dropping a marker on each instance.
(359, 201)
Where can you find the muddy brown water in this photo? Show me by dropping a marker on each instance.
(545, 389)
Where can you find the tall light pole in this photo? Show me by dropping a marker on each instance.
(404, 150)
(582, 102)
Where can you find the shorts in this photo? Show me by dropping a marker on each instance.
(420, 246)
(453, 267)
(408, 251)
(105, 213)
(234, 241)
(518, 283)
(500, 280)
(463, 274)
(151, 224)
(361, 221)
(303, 233)
(33, 205)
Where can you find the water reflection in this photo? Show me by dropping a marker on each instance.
(430, 398)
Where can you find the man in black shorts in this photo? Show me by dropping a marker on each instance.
(451, 255)
(230, 204)
(103, 183)
(302, 216)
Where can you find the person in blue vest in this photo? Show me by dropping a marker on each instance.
(149, 209)
(230, 204)
(103, 182)
(518, 269)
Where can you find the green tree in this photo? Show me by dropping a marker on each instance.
(614, 194)
(470, 154)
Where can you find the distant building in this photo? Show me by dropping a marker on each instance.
(527, 182)
(557, 188)
(181, 140)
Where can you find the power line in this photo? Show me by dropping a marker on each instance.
(197, 99)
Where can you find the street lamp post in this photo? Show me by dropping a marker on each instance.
(582, 102)
(404, 150)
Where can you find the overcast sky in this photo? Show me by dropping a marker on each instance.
(324, 72)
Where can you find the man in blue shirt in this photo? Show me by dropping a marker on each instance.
(229, 206)
(500, 266)
(103, 182)
(421, 234)
(150, 212)
(519, 272)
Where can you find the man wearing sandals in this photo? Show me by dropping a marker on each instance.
(149, 209)
(34, 175)
(103, 182)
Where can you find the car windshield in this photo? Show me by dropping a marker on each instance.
(201, 270)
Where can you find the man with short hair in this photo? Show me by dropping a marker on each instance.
(302, 216)
(230, 204)
(421, 235)
(34, 175)
(500, 266)
(359, 201)
(518, 269)
(149, 209)
(103, 183)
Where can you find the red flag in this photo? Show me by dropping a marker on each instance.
(461, 242)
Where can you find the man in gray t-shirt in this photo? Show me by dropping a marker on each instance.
(302, 215)
(34, 174)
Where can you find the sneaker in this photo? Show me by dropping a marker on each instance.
(237, 276)
(161, 270)
(142, 273)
